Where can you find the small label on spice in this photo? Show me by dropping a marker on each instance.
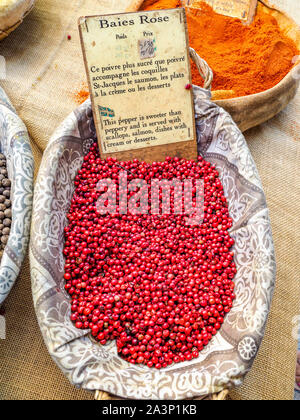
(138, 67)
(241, 9)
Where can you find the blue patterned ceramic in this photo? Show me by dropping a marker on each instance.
(15, 145)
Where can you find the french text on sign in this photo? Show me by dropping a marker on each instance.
(138, 66)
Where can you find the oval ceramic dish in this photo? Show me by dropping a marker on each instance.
(12, 14)
(229, 356)
(14, 144)
(252, 110)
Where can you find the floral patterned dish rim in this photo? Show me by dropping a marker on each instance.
(15, 145)
(229, 356)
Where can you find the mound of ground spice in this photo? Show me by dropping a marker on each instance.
(244, 59)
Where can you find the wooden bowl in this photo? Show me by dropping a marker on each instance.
(12, 14)
(15, 145)
(252, 110)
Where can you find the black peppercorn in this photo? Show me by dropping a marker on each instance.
(6, 193)
(4, 239)
(5, 205)
(7, 222)
(6, 231)
(8, 213)
(6, 182)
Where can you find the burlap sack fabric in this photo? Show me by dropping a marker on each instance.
(43, 71)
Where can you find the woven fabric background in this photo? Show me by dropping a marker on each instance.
(44, 70)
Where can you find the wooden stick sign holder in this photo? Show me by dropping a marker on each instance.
(139, 77)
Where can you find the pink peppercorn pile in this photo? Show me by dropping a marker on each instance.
(158, 286)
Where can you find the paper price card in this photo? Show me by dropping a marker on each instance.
(138, 68)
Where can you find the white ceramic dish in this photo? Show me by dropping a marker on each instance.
(15, 145)
(230, 354)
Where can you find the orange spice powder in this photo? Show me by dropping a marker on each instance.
(82, 94)
(244, 59)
